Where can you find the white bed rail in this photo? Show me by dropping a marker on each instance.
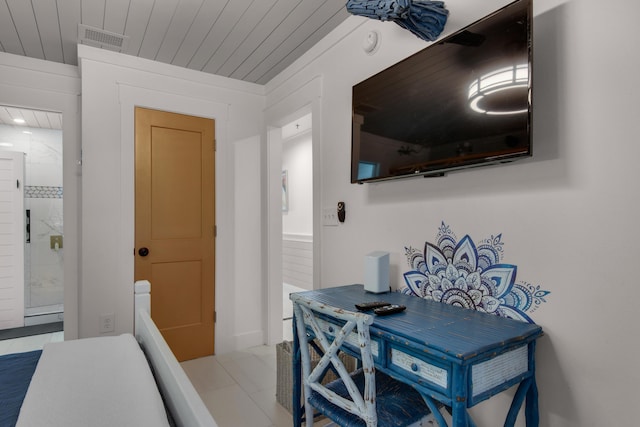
(180, 396)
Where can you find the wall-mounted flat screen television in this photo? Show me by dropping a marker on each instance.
(463, 101)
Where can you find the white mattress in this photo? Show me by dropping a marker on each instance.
(95, 382)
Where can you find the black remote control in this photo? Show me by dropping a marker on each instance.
(364, 306)
(389, 309)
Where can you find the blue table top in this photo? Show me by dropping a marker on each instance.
(459, 333)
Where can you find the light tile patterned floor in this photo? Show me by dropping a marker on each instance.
(239, 388)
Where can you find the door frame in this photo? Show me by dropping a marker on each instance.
(306, 99)
(131, 97)
(17, 245)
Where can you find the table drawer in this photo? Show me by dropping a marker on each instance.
(402, 361)
(499, 370)
(330, 328)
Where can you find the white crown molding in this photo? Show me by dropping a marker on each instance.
(168, 70)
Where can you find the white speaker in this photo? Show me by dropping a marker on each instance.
(376, 272)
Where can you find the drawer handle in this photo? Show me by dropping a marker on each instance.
(415, 367)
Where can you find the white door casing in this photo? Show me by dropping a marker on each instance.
(11, 239)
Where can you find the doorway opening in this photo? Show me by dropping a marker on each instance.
(307, 100)
(37, 135)
(297, 214)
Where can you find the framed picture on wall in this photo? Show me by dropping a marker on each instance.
(285, 191)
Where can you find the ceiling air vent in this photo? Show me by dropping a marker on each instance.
(101, 38)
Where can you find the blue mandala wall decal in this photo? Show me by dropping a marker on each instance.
(472, 276)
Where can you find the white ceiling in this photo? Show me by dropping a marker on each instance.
(31, 118)
(250, 40)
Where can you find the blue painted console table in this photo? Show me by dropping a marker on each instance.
(451, 355)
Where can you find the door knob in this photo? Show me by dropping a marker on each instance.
(143, 251)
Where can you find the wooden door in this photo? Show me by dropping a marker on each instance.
(174, 226)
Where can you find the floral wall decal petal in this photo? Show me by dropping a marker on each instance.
(433, 257)
(466, 253)
(503, 276)
(489, 253)
(513, 313)
(415, 259)
(447, 240)
(416, 281)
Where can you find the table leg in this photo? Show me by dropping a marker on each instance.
(460, 416)
(531, 410)
(433, 407)
(531, 413)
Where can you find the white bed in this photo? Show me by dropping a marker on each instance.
(107, 381)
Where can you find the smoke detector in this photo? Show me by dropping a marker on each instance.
(371, 42)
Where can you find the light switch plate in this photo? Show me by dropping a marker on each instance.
(330, 217)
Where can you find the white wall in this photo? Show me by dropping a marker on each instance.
(568, 216)
(297, 220)
(112, 85)
(48, 86)
(249, 292)
(297, 160)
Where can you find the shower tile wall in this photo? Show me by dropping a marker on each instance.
(44, 274)
(43, 198)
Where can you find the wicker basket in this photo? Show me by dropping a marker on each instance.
(284, 382)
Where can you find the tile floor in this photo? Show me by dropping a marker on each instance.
(239, 388)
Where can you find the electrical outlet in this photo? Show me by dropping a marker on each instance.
(107, 323)
(329, 217)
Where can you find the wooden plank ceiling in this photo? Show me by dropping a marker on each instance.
(26, 118)
(250, 40)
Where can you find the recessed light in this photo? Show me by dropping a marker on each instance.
(6, 144)
(28, 132)
(20, 121)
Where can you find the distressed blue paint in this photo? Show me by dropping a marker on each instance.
(365, 396)
(470, 276)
